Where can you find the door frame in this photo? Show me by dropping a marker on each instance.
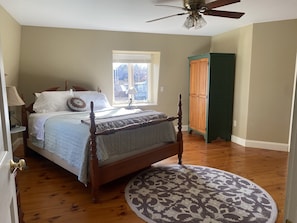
(291, 195)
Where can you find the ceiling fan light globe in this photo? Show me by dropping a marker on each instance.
(200, 22)
(189, 23)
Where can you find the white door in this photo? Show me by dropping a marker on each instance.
(291, 195)
(8, 201)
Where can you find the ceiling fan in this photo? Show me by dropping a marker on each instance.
(195, 9)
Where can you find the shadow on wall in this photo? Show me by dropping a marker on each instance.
(38, 84)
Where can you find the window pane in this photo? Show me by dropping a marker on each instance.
(141, 81)
(120, 78)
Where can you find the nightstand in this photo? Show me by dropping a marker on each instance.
(17, 129)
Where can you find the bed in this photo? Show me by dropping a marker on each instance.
(79, 131)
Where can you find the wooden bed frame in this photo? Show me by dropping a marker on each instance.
(101, 174)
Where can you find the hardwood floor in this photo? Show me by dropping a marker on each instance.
(51, 194)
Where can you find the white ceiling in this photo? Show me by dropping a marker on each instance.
(131, 15)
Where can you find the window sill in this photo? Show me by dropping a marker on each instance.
(134, 105)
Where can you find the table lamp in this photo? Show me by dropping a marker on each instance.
(13, 99)
(131, 91)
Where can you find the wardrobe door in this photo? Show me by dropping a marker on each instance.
(198, 95)
(202, 94)
(193, 107)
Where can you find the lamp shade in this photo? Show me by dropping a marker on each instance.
(131, 90)
(13, 97)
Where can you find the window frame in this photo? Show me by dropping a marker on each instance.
(152, 58)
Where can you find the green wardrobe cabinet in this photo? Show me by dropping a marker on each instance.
(211, 95)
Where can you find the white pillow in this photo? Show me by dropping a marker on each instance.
(52, 101)
(37, 94)
(100, 101)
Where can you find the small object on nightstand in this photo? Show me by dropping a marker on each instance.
(17, 129)
(131, 92)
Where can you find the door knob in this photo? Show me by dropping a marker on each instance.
(19, 165)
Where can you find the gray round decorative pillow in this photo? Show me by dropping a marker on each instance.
(76, 104)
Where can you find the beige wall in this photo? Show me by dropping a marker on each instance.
(10, 40)
(272, 77)
(240, 42)
(10, 37)
(49, 56)
(264, 78)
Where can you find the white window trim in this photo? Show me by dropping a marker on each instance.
(152, 57)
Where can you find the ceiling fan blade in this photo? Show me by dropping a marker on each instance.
(220, 3)
(165, 17)
(227, 14)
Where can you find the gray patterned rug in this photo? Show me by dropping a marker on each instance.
(188, 193)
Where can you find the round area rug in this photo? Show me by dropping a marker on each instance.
(186, 193)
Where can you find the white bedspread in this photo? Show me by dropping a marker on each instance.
(64, 134)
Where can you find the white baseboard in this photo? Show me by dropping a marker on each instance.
(260, 144)
(253, 143)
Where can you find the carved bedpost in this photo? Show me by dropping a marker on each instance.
(94, 166)
(179, 133)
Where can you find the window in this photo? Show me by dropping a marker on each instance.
(135, 77)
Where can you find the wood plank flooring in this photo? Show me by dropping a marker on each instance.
(51, 194)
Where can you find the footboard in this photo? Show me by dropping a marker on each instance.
(101, 174)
